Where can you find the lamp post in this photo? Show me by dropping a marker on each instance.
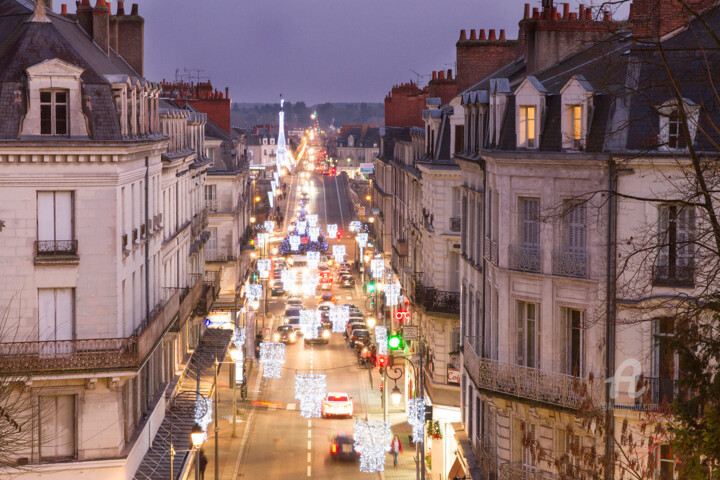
(234, 355)
(197, 438)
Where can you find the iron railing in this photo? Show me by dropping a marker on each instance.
(569, 264)
(524, 258)
(491, 251)
(219, 255)
(438, 301)
(517, 471)
(661, 390)
(212, 205)
(471, 361)
(455, 225)
(674, 275)
(190, 300)
(56, 247)
(533, 384)
(486, 456)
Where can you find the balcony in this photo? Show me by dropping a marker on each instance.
(212, 205)
(517, 471)
(524, 258)
(220, 255)
(455, 224)
(56, 252)
(158, 221)
(533, 384)
(191, 297)
(674, 276)
(401, 247)
(23, 358)
(569, 264)
(486, 456)
(491, 251)
(436, 301)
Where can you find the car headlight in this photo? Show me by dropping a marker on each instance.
(326, 334)
(292, 336)
(276, 337)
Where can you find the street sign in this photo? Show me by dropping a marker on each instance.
(410, 332)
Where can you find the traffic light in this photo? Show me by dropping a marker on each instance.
(382, 361)
(394, 342)
(371, 287)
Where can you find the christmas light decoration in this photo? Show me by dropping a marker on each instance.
(263, 267)
(339, 253)
(270, 198)
(203, 413)
(239, 338)
(392, 293)
(310, 323)
(294, 242)
(416, 416)
(355, 226)
(314, 233)
(310, 281)
(272, 356)
(332, 230)
(312, 220)
(381, 340)
(269, 226)
(288, 278)
(301, 225)
(377, 267)
(313, 260)
(276, 176)
(273, 184)
(362, 239)
(310, 389)
(262, 239)
(254, 291)
(372, 440)
(339, 317)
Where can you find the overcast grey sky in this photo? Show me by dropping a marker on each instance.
(313, 50)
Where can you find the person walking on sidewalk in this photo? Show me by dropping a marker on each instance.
(203, 464)
(396, 449)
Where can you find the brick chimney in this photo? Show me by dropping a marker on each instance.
(652, 19)
(131, 37)
(84, 16)
(101, 26)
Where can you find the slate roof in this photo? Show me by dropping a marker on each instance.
(364, 137)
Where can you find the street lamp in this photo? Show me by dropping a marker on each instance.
(396, 396)
(252, 219)
(235, 356)
(197, 436)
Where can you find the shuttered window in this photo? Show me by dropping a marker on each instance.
(528, 334)
(56, 315)
(57, 427)
(676, 226)
(55, 216)
(530, 226)
(575, 228)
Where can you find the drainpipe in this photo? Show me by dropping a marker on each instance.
(147, 268)
(485, 220)
(610, 317)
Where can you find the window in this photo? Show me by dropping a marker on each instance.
(211, 197)
(57, 427)
(574, 227)
(56, 316)
(53, 112)
(575, 125)
(665, 361)
(572, 341)
(459, 136)
(672, 134)
(528, 334)
(675, 262)
(666, 463)
(676, 139)
(526, 131)
(530, 226)
(55, 222)
(456, 340)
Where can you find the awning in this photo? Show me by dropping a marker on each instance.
(457, 470)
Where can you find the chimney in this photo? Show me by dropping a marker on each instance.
(227, 92)
(566, 11)
(63, 9)
(526, 14)
(121, 8)
(472, 34)
(48, 5)
(84, 16)
(502, 35)
(536, 14)
(131, 38)
(441, 75)
(101, 26)
(434, 76)
(134, 10)
(449, 74)
(491, 36)
(581, 12)
(653, 19)
(606, 16)
(482, 35)
(463, 35)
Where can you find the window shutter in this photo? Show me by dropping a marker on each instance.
(46, 216)
(64, 326)
(531, 222)
(577, 228)
(685, 225)
(520, 329)
(663, 226)
(63, 216)
(538, 338)
(46, 314)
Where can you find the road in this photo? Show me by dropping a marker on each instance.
(281, 443)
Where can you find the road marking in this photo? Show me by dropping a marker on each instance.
(309, 457)
(309, 445)
(309, 423)
(291, 406)
(309, 433)
(309, 470)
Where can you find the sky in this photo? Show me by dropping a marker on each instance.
(314, 51)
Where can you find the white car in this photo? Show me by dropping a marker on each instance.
(337, 404)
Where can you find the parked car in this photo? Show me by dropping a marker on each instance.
(357, 334)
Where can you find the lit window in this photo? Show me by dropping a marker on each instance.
(577, 125)
(527, 127)
(53, 112)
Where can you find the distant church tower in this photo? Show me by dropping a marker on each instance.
(280, 159)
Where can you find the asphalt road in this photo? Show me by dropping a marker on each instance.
(282, 444)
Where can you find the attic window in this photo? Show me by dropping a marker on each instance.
(672, 135)
(675, 137)
(53, 112)
(526, 130)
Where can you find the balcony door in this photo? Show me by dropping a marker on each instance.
(55, 221)
(56, 319)
(57, 427)
(528, 334)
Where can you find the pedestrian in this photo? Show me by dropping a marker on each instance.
(395, 448)
(203, 463)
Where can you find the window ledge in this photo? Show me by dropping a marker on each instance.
(57, 259)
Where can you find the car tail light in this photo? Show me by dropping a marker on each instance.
(333, 448)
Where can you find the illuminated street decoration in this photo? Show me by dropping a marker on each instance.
(310, 281)
(362, 239)
(392, 293)
(332, 230)
(263, 267)
(339, 317)
(288, 279)
(377, 267)
(294, 242)
(381, 340)
(273, 184)
(310, 323)
(372, 440)
(314, 233)
(313, 260)
(262, 239)
(355, 226)
(339, 253)
(272, 356)
(280, 152)
(270, 198)
(416, 416)
(312, 220)
(239, 338)
(310, 389)
(301, 225)
(254, 291)
(269, 226)
(203, 413)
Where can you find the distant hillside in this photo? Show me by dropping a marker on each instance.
(297, 115)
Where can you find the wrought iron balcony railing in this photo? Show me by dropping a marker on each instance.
(538, 385)
(455, 225)
(219, 255)
(22, 358)
(674, 275)
(212, 205)
(525, 258)
(190, 300)
(437, 301)
(569, 264)
(56, 247)
(486, 456)
(491, 251)
(517, 471)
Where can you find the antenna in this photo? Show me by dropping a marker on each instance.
(419, 76)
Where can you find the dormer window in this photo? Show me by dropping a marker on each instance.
(526, 130)
(575, 125)
(672, 135)
(272, 141)
(675, 137)
(53, 112)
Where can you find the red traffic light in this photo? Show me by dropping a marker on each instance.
(339, 233)
(381, 361)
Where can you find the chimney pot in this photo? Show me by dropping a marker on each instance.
(472, 34)
(482, 34)
(492, 36)
(502, 35)
(606, 16)
(566, 11)
(134, 10)
(434, 75)
(441, 75)
(588, 14)
(63, 9)
(536, 13)
(121, 8)
(227, 92)
(554, 13)
(573, 15)
(463, 35)
(526, 14)
(581, 12)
